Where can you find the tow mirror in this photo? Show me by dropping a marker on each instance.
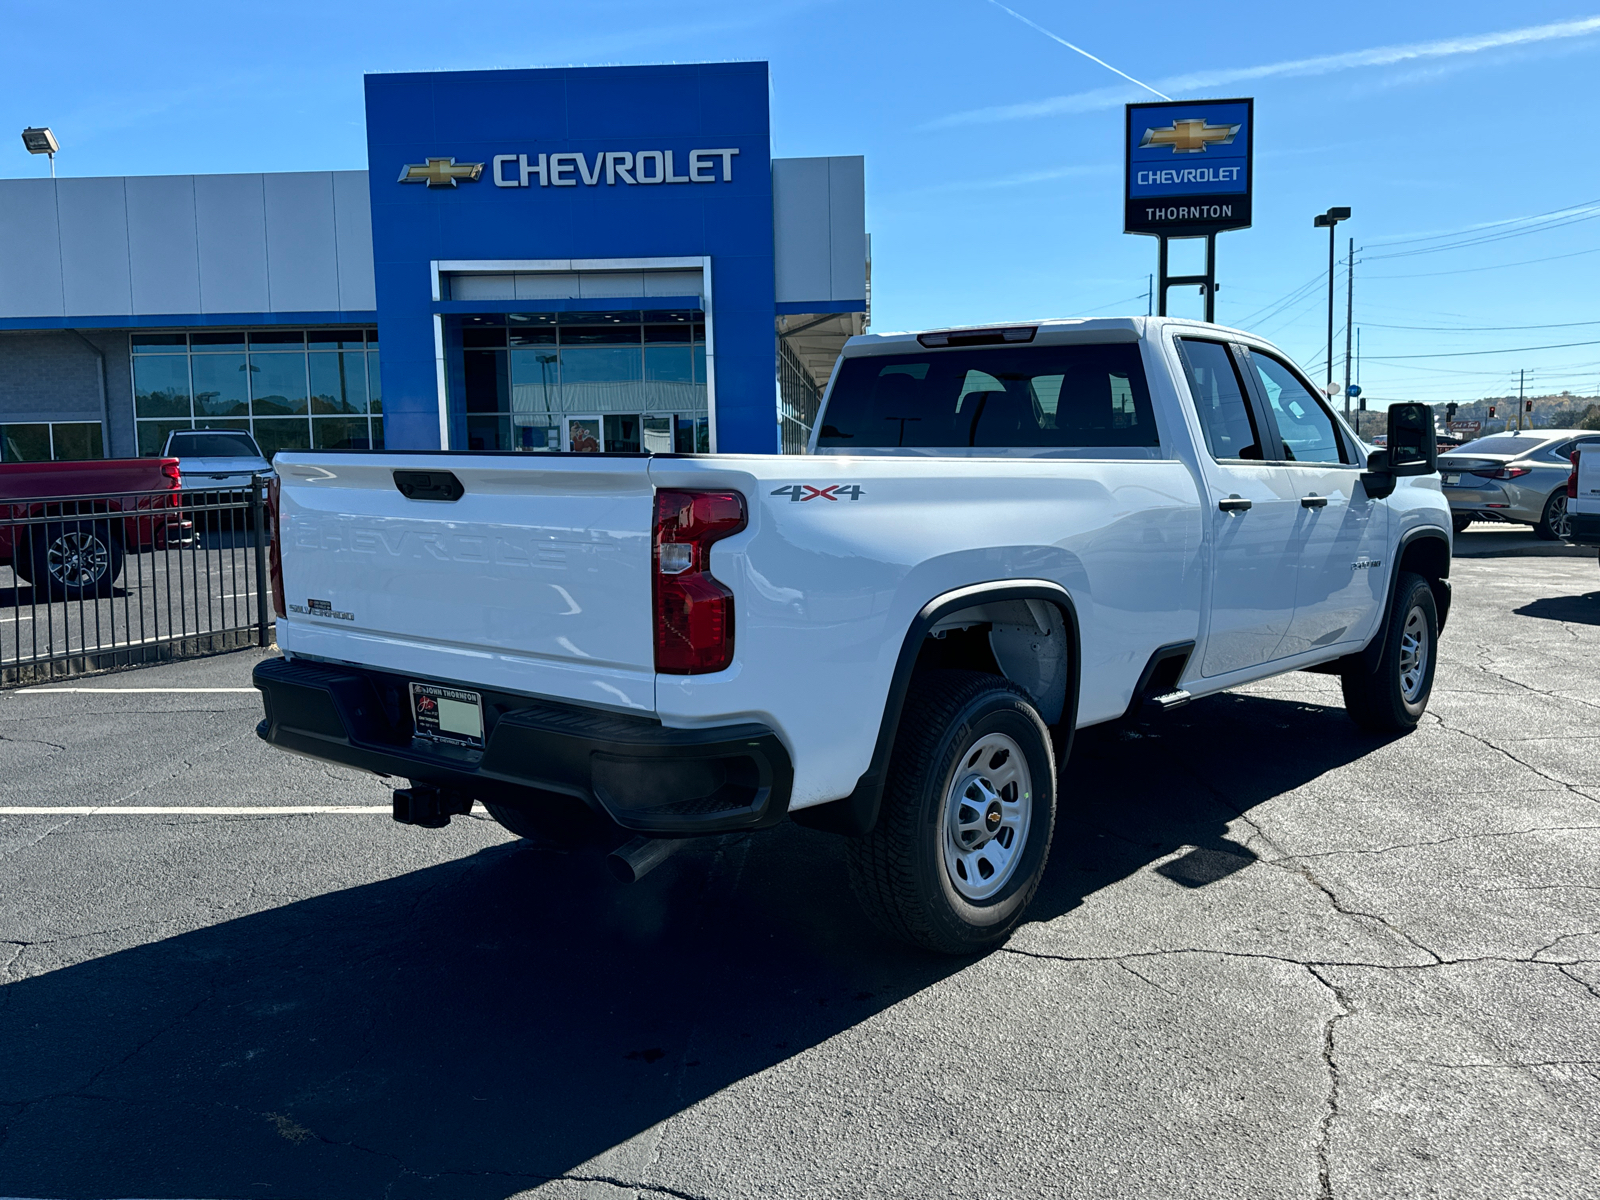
(1413, 448)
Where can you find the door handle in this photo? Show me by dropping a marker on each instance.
(1313, 501)
(1233, 504)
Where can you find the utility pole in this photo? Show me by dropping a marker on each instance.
(1149, 295)
(1349, 317)
(1522, 380)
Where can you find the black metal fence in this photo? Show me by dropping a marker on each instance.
(91, 583)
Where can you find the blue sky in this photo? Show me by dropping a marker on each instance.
(993, 151)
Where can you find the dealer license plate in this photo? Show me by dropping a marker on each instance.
(447, 714)
(1451, 480)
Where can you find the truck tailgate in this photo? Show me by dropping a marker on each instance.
(537, 579)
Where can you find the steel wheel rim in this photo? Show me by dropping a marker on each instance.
(1413, 654)
(1560, 519)
(987, 812)
(77, 559)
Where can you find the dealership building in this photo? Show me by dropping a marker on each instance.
(557, 259)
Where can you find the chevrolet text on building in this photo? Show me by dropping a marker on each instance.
(568, 169)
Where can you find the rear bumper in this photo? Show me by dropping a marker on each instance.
(1584, 529)
(644, 776)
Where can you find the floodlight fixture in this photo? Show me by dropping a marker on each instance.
(40, 140)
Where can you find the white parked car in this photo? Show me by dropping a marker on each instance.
(1000, 536)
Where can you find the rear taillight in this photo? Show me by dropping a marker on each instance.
(1572, 479)
(1511, 472)
(169, 468)
(274, 549)
(693, 611)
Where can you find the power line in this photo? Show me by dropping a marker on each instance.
(1467, 353)
(1496, 267)
(1433, 237)
(1562, 223)
(1473, 328)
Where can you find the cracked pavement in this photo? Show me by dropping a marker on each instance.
(1272, 957)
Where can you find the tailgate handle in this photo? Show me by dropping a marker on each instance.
(428, 485)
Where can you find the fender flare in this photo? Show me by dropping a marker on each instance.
(857, 813)
(1369, 656)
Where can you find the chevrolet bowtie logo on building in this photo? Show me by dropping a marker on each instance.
(442, 172)
(1189, 136)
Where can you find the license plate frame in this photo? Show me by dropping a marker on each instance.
(453, 716)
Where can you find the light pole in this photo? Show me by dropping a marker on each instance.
(1327, 221)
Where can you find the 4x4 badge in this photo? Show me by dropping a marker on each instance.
(798, 493)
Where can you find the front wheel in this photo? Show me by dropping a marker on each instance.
(1555, 524)
(967, 816)
(1393, 698)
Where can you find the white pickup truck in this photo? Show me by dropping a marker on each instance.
(999, 536)
(1583, 496)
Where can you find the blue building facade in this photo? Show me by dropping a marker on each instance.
(551, 259)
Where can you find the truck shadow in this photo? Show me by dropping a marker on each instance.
(469, 1029)
(1580, 610)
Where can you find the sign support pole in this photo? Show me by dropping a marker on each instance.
(1207, 282)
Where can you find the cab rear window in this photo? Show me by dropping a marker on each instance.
(995, 397)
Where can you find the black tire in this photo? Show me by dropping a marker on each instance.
(1553, 524)
(902, 871)
(75, 560)
(1393, 698)
(1460, 521)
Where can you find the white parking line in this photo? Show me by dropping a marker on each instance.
(62, 691)
(193, 810)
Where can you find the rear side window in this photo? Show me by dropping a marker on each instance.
(1304, 426)
(1225, 417)
(1002, 396)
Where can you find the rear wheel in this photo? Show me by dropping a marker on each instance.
(968, 812)
(1554, 524)
(76, 560)
(1393, 698)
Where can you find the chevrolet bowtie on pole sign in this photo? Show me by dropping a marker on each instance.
(1189, 167)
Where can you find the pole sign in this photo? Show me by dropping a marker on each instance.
(1471, 427)
(1189, 167)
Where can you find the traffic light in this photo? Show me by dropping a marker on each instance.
(1491, 412)
(1450, 411)
(1527, 406)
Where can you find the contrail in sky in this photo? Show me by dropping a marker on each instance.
(1070, 46)
(1379, 56)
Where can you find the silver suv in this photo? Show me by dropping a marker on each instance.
(1518, 476)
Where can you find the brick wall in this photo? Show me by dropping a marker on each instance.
(51, 375)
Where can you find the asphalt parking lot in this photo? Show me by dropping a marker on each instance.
(1273, 957)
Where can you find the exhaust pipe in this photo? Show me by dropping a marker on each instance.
(639, 857)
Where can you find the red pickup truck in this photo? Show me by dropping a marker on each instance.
(66, 525)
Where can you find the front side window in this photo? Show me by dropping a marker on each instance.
(994, 397)
(1225, 416)
(1304, 426)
